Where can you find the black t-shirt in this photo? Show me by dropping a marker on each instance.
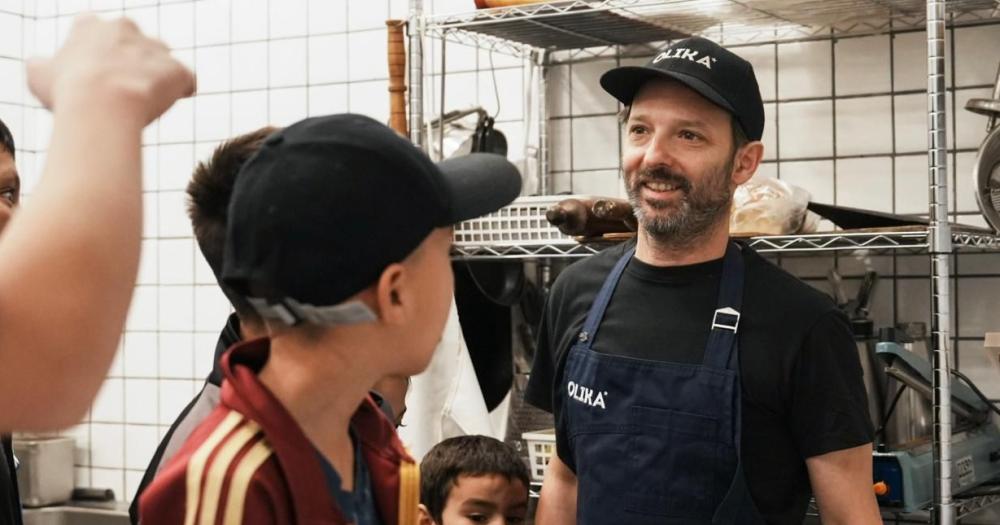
(10, 502)
(358, 505)
(802, 386)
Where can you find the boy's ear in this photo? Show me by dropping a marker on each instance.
(425, 516)
(391, 294)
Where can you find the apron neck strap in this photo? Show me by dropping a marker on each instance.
(596, 313)
(719, 352)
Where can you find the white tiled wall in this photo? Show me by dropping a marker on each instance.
(846, 120)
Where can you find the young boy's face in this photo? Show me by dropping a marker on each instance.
(433, 285)
(10, 187)
(491, 499)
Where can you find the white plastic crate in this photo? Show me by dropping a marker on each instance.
(541, 447)
(521, 223)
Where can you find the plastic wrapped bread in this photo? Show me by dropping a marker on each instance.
(767, 206)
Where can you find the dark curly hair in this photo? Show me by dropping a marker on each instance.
(6, 139)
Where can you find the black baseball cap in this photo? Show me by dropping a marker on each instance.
(327, 203)
(712, 71)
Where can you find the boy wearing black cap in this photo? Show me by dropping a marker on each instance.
(339, 235)
(691, 380)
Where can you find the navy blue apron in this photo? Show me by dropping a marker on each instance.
(658, 442)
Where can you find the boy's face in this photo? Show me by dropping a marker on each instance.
(491, 499)
(433, 285)
(10, 187)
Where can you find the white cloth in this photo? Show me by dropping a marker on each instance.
(445, 400)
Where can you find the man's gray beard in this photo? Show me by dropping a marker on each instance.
(700, 209)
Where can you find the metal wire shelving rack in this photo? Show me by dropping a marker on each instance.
(873, 243)
(576, 30)
(611, 25)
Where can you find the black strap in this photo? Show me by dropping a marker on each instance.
(722, 338)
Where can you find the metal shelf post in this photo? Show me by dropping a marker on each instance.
(539, 61)
(943, 511)
(416, 63)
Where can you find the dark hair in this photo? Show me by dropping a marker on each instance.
(739, 136)
(465, 456)
(209, 193)
(6, 139)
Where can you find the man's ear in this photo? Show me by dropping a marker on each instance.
(425, 516)
(392, 295)
(746, 161)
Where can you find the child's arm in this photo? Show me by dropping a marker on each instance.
(557, 505)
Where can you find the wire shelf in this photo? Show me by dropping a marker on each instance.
(967, 506)
(964, 507)
(907, 242)
(975, 241)
(579, 24)
(570, 249)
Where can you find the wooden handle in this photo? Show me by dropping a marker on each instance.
(397, 77)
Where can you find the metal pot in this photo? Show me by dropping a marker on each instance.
(986, 172)
(911, 420)
(45, 475)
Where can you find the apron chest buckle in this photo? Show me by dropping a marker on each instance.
(726, 319)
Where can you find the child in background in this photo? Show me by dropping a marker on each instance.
(473, 479)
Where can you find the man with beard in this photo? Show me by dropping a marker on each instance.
(691, 380)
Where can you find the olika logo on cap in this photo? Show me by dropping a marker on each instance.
(685, 54)
(717, 74)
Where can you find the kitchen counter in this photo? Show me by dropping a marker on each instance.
(79, 513)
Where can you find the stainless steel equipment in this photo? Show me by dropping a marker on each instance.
(903, 472)
(45, 475)
(911, 418)
(987, 168)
